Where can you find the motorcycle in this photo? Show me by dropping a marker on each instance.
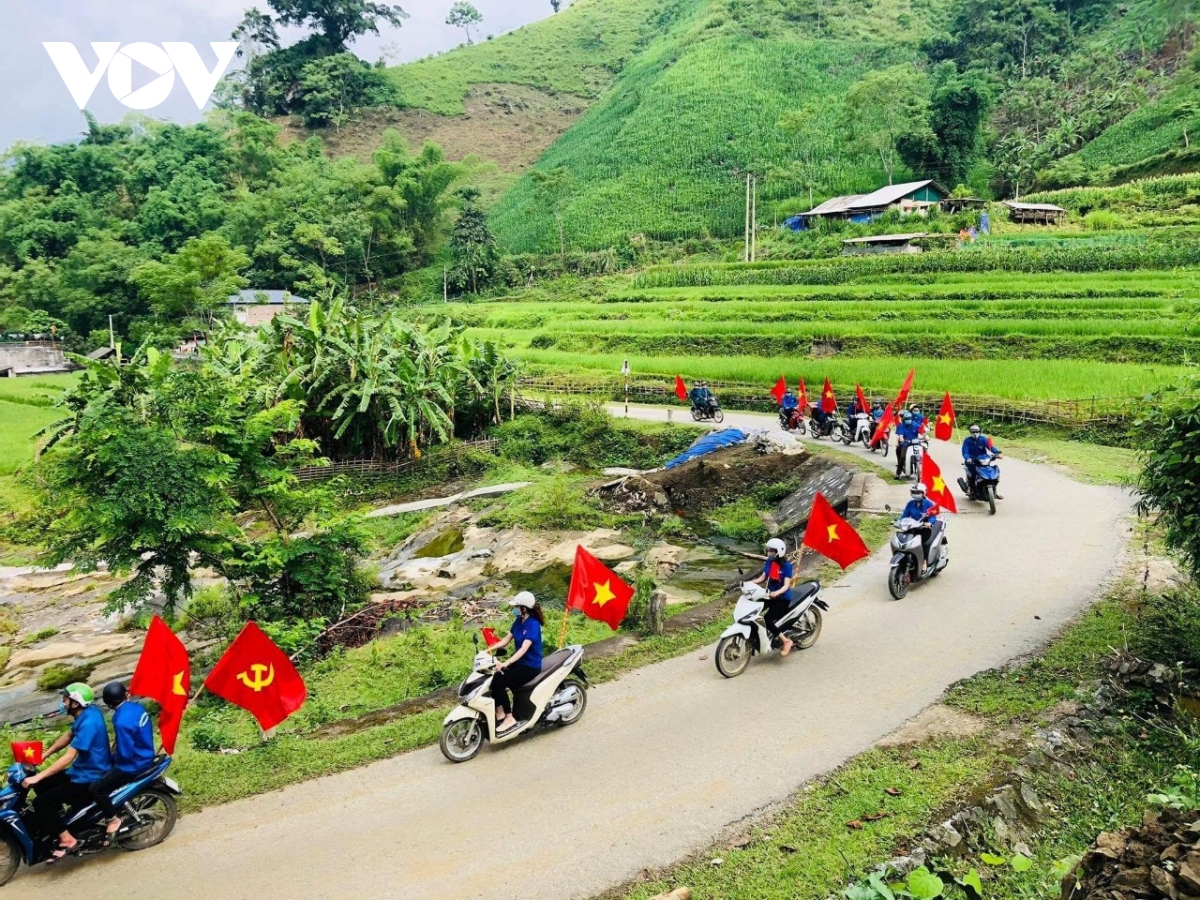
(884, 444)
(792, 421)
(909, 565)
(146, 804)
(981, 484)
(860, 429)
(709, 412)
(748, 634)
(916, 452)
(558, 696)
(833, 428)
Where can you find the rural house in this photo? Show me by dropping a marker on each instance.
(1035, 213)
(909, 197)
(254, 307)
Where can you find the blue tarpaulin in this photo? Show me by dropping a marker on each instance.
(707, 444)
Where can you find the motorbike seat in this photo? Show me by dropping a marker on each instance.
(802, 592)
(146, 770)
(550, 665)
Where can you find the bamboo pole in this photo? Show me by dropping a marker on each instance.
(562, 632)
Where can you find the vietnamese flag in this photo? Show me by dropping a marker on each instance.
(779, 390)
(27, 752)
(164, 674)
(888, 420)
(680, 389)
(803, 396)
(935, 485)
(490, 637)
(943, 430)
(905, 388)
(597, 591)
(257, 676)
(828, 401)
(862, 399)
(831, 535)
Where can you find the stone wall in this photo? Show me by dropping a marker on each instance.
(22, 359)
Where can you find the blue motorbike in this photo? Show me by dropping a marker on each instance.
(146, 804)
(981, 482)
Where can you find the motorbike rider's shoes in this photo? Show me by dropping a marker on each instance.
(513, 727)
(999, 497)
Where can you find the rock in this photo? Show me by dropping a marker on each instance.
(558, 466)
(1187, 877)
(1030, 800)
(1163, 882)
(85, 648)
(946, 840)
(1135, 880)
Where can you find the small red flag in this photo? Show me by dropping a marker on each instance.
(490, 637)
(831, 535)
(257, 676)
(862, 399)
(944, 429)
(905, 388)
(779, 390)
(27, 752)
(597, 591)
(803, 396)
(828, 401)
(888, 420)
(680, 389)
(936, 488)
(164, 674)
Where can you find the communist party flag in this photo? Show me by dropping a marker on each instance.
(888, 420)
(680, 389)
(828, 401)
(831, 535)
(257, 676)
(27, 752)
(863, 406)
(164, 674)
(779, 390)
(803, 395)
(905, 388)
(597, 591)
(944, 429)
(935, 485)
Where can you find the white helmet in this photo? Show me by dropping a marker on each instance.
(917, 490)
(777, 545)
(525, 599)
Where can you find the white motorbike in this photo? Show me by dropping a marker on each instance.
(909, 565)
(748, 634)
(558, 696)
(916, 453)
(859, 430)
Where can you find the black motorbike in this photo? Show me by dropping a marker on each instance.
(832, 428)
(708, 412)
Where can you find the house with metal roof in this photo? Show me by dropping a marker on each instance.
(1036, 213)
(253, 307)
(909, 197)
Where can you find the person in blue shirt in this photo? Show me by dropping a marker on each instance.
(978, 447)
(67, 781)
(789, 408)
(526, 662)
(924, 510)
(777, 576)
(133, 750)
(697, 395)
(918, 417)
(906, 433)
(877, 411)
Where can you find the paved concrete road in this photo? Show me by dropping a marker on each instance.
(665, 757)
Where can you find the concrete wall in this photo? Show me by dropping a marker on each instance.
(31, 359)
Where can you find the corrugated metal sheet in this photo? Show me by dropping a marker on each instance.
(1033, 207)
(834, 205)
(886, 238)
(892, 193)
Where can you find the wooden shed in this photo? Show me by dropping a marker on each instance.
(1035, 213)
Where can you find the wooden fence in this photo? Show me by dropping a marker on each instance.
(748, 396)
(373, 468)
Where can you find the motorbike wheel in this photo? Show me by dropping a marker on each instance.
(991, 500)
(461, 740)
(576, 712)
(155, 814)
(695, 414)
(11, 860)
(733, 655)
(839, 432)
(898, 582)
(718, 416)
(887, 447)
(811, 621)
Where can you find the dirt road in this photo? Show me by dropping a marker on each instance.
(665, 757)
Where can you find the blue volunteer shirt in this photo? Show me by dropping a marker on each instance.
(916, 509)
(907, 432)
(777, 571)
(89, 739)
(133, 737)
(977, 446)
(529, 630)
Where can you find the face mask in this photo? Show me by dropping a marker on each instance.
(518, 612)
(62, 709)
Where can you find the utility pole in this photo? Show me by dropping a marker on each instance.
(746, 240)
(753, 217)
(112, 341)
(445, 285)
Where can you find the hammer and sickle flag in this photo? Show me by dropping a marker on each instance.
(831, 535)
(164, 674)
(257, 676)
(597, 591)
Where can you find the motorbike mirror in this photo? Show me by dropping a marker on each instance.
(741, 574)
(887, 507)
(502, 652)
(475, 639)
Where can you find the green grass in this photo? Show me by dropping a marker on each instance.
(1086, 462)
(20, 422)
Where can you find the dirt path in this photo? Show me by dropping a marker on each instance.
(666, 756)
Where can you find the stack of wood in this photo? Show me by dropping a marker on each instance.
(1159, 859)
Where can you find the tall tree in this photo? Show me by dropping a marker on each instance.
(472, 244)
(884, 106)
(338, 21)
(465, 16)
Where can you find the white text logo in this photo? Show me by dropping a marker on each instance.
(118, 60)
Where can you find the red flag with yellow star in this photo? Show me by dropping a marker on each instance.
(257, 676)
(828, 401)
(803, 396)
(163, 674)
(28, 752)
(906, 388)
(888, 420)
(943, 430)
(831, 535)
(936, 488)
(681, 390)
(597, 591)
(779, 390)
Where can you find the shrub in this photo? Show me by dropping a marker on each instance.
(59, 675)
(588, 436)
(1102, 220)
(1170, 629)
(211, 735)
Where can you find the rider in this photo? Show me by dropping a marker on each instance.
(789, 406)
(906, 433)
(876, 411)
(977, 448)
(526, 661)
(696, 395)
(710, 399)
(924, 510)
(68, 780)
(777, 577)
(133, 750)
(918, 417)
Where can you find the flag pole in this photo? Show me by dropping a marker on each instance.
(562, 633)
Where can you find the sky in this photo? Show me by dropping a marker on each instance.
(36, 105)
